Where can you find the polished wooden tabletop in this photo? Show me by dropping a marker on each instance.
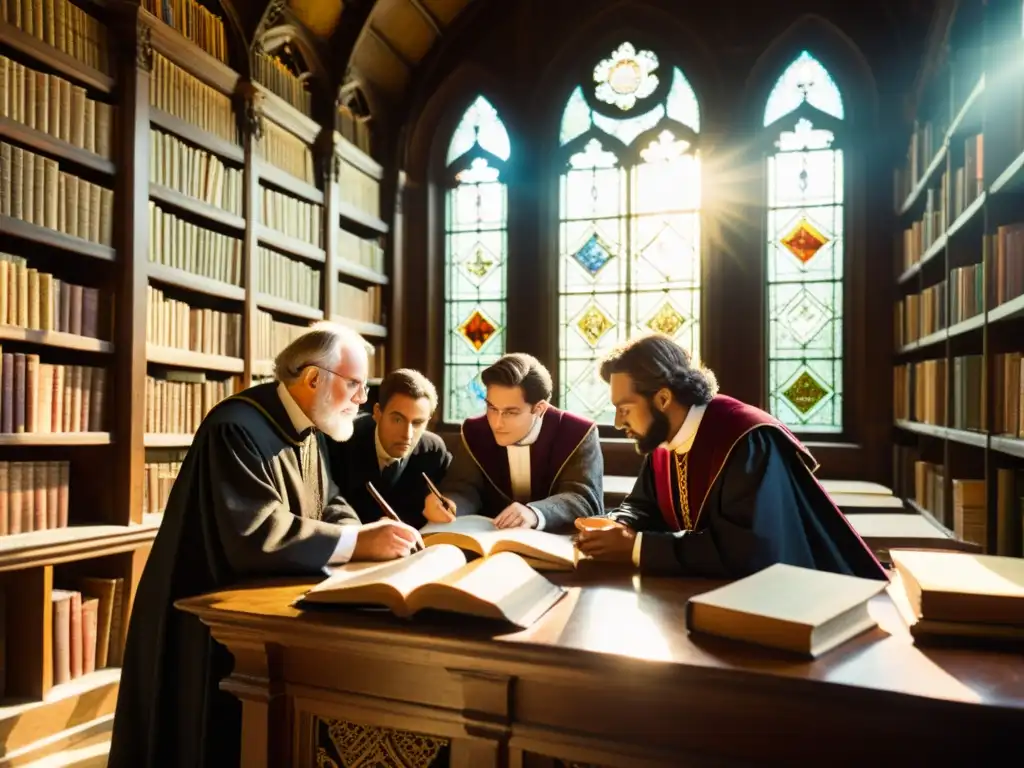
(611, 618)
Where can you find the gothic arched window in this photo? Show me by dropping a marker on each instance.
(629, 217)
(476, 220)
(803, 121)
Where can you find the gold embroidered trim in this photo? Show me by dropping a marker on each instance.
(682, 478)
(368, 746)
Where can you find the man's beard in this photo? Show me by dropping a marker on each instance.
(330, 419)
(656, 434)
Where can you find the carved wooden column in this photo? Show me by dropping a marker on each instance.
(250, 125)
(256, 681)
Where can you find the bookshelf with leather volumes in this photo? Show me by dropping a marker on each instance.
(176, 203)
(959, 314)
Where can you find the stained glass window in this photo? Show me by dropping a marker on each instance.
(475, 250)
(803, 118)
(629, 233)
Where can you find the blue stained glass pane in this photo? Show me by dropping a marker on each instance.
(593, 255)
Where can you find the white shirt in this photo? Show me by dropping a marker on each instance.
(300, 421)
(519, 468)
(680, 444)
(384, 458)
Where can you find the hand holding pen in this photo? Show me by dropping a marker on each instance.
(436, 508)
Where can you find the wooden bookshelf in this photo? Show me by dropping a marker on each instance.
(166, 316)
(959, 315)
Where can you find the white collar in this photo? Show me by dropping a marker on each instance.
(533, 434)
(300, 421)
(683, 440)
(383, 457)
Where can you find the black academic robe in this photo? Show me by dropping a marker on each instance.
(758, 505)
(240, 507)
(354, 463)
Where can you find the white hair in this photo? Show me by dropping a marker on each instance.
(322, 345)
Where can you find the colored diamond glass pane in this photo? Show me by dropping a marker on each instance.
(593, 324)
(593, 255)
(805, 393)
(477, 329)
(480, 263)
(805, 317)
(667, 320)
(804, 241)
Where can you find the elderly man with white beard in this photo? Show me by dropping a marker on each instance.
(254, 497)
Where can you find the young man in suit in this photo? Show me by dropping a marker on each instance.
(393, 449)
(524, 463)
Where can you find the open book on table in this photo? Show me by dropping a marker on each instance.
(501, 586)
(476, 533)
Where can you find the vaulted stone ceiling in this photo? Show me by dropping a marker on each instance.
(380, 43)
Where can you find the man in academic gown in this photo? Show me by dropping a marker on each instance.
(524, 463)
(725, 489)
(393, 450)
(254, 497)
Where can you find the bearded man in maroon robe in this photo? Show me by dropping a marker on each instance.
(524, 463)
(725, 488)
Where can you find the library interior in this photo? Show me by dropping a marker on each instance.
(228, 225)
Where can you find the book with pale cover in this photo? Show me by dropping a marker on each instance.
(796, 609)
(500, 586)
(475, 533)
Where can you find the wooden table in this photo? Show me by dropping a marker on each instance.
(608, 677)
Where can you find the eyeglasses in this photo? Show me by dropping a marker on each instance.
(352, 385)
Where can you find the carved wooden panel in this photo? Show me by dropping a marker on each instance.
(342, 744)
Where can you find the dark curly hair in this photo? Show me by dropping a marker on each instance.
(656, 362)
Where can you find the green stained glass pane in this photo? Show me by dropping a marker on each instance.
(475, 263)
(804, 257)
(629, 234)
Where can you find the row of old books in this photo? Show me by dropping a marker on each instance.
(36, 300)
(358, 250)
(194, 22)
(194, 172)
(1007, 263)
(63, 25)
(55, 106)
(286, 151)
(288, 279)
(86, 627)
(920, 314)
(969, 177)
(924, 143)
(178, 402)
(33, 496)
(919, 392)
(291, 216)
(359, 304)
(176, 92)
(160, 477)
(966, 292)
(359, 190)
(270, 71)
(271, 336)
(173, 323)
(354, 128)
(35, 190)
(43, 398)
(175, 242)
(1008, 394)
(924, 232)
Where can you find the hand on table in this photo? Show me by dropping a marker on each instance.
(612, 542)
(516, 515)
